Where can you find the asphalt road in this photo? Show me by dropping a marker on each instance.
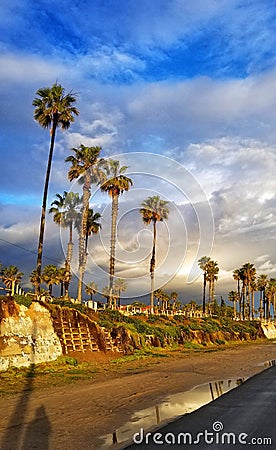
(240, 419)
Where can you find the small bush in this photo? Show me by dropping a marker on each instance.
(22, 300)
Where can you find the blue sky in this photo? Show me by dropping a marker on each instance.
(191, 81)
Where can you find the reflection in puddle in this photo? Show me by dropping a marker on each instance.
(173, 406)
(269, 363)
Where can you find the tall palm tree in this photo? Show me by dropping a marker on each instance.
(237, 278)
(211, 277)
(115, 185)
(262, 282)
(153, 210)
(202, 262)
(53, 109)
(119, 287)
(248, 274)
(85, 168)
(11, 277)
(270, 295)
(65, 213)
(91, 289)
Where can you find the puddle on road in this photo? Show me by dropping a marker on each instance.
(172, 407)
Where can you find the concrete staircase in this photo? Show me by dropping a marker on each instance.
(79, 334)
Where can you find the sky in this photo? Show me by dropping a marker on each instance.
(184, 93)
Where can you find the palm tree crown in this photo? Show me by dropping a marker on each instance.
(54, 108)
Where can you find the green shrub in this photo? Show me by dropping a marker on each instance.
(22, 300)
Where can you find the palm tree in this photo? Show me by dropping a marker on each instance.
(261, 285)
(35, 279)
(233, 296)
(91, 289)
(174, 297)
(153, 210)
(248, 273)
(116, 184)
(237, 277)
(119, 287)
(51, 276)
(106, 293)
(158, 294)
(202, 262)
(65, 213)
(211, 277)
(85, 167)
(93, 226)
(270, 295)
(11, 277)
(53, 109)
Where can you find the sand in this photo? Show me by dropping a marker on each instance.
(75, 416)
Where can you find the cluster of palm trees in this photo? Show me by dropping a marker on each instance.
(167, 301)
(54, 109)
(10, 277)
(243, 298)
(210, 270)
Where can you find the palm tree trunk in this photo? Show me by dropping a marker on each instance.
(44, 205)
(252, 304)
(82, 237)
(261, 304)
(114, 214)
(152, 268)
(12, 288)
(204, 293)
(243, 301)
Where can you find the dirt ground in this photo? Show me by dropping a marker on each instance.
(76, 416)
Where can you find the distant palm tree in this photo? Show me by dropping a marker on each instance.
(106, 293)
(203, 262)
(91, 289)
(174, 297)
(262, 282)
(119, 287)
(153, 210)
(85, 168)
(11, 277)
(53, 109)
(65, 213)
(115, 184)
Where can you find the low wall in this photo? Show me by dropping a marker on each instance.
(27, 335)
